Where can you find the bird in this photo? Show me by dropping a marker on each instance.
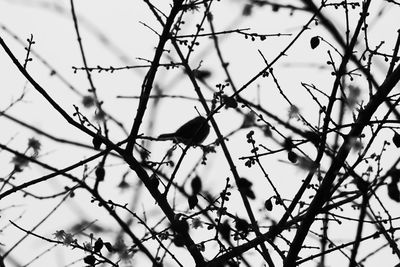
(193, 132)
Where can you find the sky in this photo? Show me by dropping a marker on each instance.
(125, 34)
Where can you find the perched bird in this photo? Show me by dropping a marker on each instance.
(192, 132)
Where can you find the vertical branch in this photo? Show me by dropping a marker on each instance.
(325, 222)
(346, 10)
(360, 225)
(88, 74)
(79, 39)
(395, 54)
(150, 76)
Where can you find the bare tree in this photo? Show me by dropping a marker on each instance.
(251, 133)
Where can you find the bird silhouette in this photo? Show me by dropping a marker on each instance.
(192, 132)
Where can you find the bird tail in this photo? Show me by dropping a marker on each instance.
(167, 136)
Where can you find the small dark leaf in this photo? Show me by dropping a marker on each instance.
(108, 246)
(96, 142)
(314, 42)
(393, 192)
(192, 201)
(196, 185)
(292, 157)
(100, 173)
(288, 144)
(267, 131)
(202, 74)
(242, 226)
(180, 226)
(88, 101)
(179, 240)
(313, 137)
(396, 139)
(247, 10)
(244, 183)
(229, 102)
(395, 174)
(89, 260)
(268, 204)
(275, 8)
(248, 121)
(245, 187)
(225, 230)
(362, 185)
(98, 245)
(250, 194)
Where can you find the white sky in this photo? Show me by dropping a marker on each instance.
(122, 24)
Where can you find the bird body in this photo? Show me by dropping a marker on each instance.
(193, 132)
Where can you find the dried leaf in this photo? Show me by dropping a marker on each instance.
(314, 42)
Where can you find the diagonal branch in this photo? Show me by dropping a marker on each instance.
(324, 192)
